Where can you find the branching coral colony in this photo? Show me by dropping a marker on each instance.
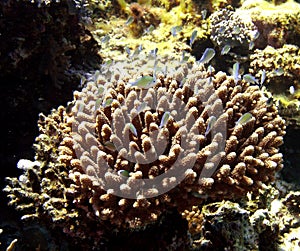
(190, 132)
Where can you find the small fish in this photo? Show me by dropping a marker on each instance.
(184, 58)
(107, 63)
(105, 39)
(96, 75)
(203, 13)
(196, 89)
(255, 34)
(263, 77)
(98, 103)
(141, 107)
(292, 89)
(153, 53)
(193, 37)
(225, 49)
(82, 80)
(109, 145)
(137, 51)
(269, 101)
(101, 89)
(123, 173)
(129, 21)
(182, 82)
(210, 70)
(144, 82)
(208, 54)
(175, 30)
(235, 72)
(222, 30)
(251, 45)
(70, 106)
(211, 122)
(127, 51)
(250, 79)
(244, 119)
(164, 119)
(133, 129)
(236, 30)
(80, 108)
(279, 71)
(149, 29)
(165, 70)
(107, 102)
(198, 195)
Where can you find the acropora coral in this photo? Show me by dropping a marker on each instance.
(95, 160)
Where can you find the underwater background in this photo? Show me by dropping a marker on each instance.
(68, 69)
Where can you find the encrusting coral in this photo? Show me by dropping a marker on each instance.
(268, 220)
(277, 24)
(229, 28)
(141, 140)
(282, 70)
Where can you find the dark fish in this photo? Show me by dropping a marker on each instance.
(270, 101)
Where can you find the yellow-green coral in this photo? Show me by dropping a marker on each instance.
(278, 24)
(135, 34)
(282, 68)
